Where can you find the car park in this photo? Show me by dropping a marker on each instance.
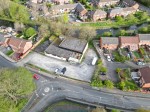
(35, 76)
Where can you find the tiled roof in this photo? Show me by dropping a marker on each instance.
(107, 0)
(116, 10)
(110, 40)
(65, 6)
(129, 9)
(145, 73)
(129, 39)
(144, 37)
(99, 12)
(129, 2)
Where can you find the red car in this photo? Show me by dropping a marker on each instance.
(35, 76)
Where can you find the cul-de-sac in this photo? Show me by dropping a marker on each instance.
(74, 55)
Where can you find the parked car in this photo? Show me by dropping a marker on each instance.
(56, 70)
(108, 58)
(63, 70)
(94, 60)
(35, 76)
(102, 73)
(140, 63)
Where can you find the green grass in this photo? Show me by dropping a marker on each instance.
(136, 54)
(9, 52)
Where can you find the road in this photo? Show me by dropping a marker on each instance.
(5, 63)
(59, 90)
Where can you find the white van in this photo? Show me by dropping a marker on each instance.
(94, 60)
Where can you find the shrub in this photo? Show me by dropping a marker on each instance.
(29, 32)
(109, 84)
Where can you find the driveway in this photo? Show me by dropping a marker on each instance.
(83, 71)
(111, 66)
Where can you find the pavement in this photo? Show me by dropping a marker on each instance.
(53, 89)
(6, 63)
(83, 71)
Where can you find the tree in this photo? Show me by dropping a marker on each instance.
(109, 84)
(98, 109)
(19, 26)
(122, 33)
(142, 110)
(16, 85)
(143, 30)
(119, 19)
(121, 85)
(118, 70)
(103, 69)
(115, 110)
(107, 34)
(65, 18)
(30, 32)
(44, 31)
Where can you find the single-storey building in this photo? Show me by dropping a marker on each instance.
(70, 49)
(109, 43)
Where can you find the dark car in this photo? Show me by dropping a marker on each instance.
(102, 73)
(63, 70)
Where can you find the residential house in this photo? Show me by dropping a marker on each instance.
(60, 2)
(144, 39)
(19, 45)
(144, 80)
(109, 43)
(69, 49)
(102, 3)
(81, 11)
(36, 1)
(130, 42)
(97, 15)
(122, 11)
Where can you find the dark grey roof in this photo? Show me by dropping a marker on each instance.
(129, 2)
(2, 38)
(65, 6)
(144, 36)
(108, 0)
(74, 44)
(110, 40)
(56, 51)
(80, 7)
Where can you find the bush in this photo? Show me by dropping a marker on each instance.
(109, 84)
(29, 32)
(121, 85)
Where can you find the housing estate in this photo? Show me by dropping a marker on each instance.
(69, 49)
(77, 9)
(102, 3)
(131, 42)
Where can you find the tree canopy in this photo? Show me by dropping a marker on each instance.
(16, 84)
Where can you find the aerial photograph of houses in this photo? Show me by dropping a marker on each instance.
(74, 55)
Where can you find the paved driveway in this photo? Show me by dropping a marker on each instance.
(83, 71)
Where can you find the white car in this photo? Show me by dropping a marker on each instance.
(108, 58)
(56, 70)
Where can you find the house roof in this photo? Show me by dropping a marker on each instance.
(73, 44)
(144, 37)
(56, 51)
(80, 7)
(107, 0)
(2, 38)
(65, 6)
(116, 10)
(129, 39)
(145, 73)
(129, 2)
(17, 44)
(110, 40)
(129, 9)
(98, 12)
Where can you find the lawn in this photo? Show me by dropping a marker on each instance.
(136, 54)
